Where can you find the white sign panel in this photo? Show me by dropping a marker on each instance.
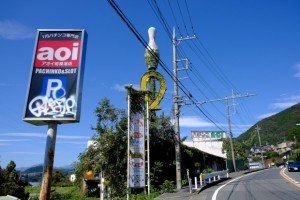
(208, 135)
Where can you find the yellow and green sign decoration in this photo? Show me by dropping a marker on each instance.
(149, 79)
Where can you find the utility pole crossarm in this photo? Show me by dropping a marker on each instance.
(236, 96)
(224, 99)
(186, 38)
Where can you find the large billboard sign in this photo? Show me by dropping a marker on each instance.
(54, 93)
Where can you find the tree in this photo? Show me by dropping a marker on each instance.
(109, 155)
(294, 135)
(241, 152)
(271, 154)
(10, 183)
(58, 179)
(240, 149)
(295, 155)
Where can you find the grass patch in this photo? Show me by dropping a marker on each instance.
(59, 193)
(66, 193)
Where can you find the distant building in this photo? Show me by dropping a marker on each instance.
(210, 142)
(284, 145)
(284, 149)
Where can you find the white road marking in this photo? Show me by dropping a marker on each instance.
(214, 197)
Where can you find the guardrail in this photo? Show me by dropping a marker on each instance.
(209, 178)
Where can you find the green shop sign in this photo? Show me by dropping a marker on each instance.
(217, 134)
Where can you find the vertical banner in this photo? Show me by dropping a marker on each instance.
(137, 150)
(136, 136)
(54, 93)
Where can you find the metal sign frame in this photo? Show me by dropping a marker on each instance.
(78, 77)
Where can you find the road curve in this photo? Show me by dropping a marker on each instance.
(263, 185)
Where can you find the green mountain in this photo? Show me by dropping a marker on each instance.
(39, 169)
(274, 129)
(34, 169)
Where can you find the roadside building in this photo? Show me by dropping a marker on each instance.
(209, 142)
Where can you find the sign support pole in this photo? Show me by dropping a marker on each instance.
(48, 162)
(128, 145)
(148, 147)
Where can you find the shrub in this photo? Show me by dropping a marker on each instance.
(168, 186)
(208, 170)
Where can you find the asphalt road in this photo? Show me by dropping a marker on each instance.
(263, 185)
(293, 175)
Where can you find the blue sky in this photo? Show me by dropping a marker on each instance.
(255, 45)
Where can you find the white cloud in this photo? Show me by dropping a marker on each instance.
(26, 153)
(282, 105)
(121, 88)
(43, 135)
(194, 121)
(292, 98)
(285, 102)
(4, 140)
(73, 137)
(9, 142)
(38, 135)
(297, 69)
(263, 116)
(77, 143)
(13, 30)
(5, 144)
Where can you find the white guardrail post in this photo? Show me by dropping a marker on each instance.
(212, 177)
(215, 175)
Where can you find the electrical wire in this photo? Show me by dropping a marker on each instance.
(161, 63)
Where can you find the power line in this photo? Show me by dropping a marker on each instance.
(155, 8)
(182, 17)
(173, 15)
(188, 11)
(161, 63)
(161, 19)
(205, 58)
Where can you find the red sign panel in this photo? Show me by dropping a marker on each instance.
(58, 53)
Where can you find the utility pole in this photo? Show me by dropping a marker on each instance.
(230, 133)
(176, 109)
(233, 96)
(257, 128)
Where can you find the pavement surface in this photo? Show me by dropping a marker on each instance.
(267, 184)
(293, 175)
(184, 193)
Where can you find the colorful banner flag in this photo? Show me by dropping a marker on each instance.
(136, 137)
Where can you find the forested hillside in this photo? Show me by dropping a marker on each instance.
(274, 129)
